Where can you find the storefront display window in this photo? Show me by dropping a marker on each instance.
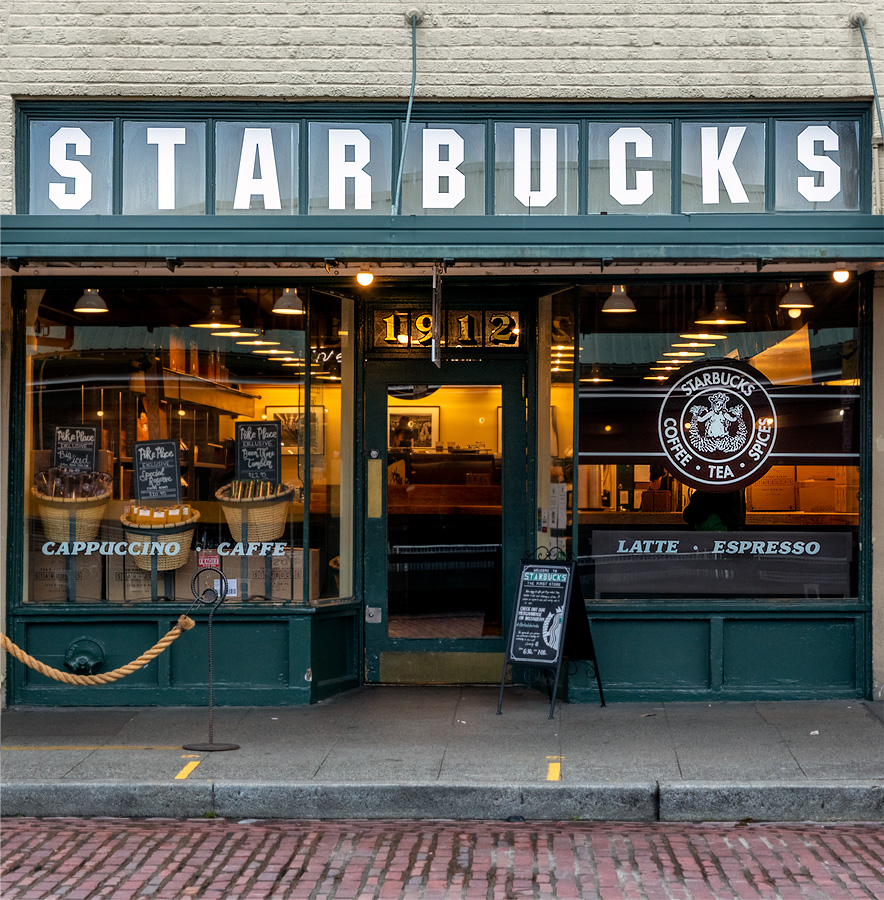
(166, 431)
(719, 441)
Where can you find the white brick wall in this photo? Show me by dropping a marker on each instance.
(792, 49)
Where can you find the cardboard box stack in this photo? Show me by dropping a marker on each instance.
(774, 491)
(48, 578)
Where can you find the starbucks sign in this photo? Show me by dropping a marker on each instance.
(717, 425)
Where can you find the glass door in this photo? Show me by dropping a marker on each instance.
(446, 518)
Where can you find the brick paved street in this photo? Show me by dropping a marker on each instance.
(217, 859)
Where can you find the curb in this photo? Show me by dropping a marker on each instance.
(822, 801)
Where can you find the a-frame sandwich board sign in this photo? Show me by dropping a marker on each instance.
(548, 622)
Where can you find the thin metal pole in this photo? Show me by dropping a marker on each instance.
(858, 20)
(397, 202)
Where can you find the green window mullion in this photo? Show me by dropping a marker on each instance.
(117, 180)
(770, 169)
(675, 207)
(210, 166)
(303, 182)
(582, 167)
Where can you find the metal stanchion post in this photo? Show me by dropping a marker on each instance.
(210, 596)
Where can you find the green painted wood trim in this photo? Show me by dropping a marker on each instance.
(820, 236)
(15, 494)
(866, 443)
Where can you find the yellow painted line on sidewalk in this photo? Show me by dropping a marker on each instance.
(187, 770)
(94, 747)
(555, 772)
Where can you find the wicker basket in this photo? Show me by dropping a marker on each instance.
(265, 517)
(180, 532)
(57, 512)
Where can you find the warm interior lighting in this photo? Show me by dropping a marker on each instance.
(841, 275)
(90, 302)
(719, 314)
(794, 313)
(289, 303)
(215, 319)
(692, 344)
(796, 297)
(655, 378)
(684, 353)
(257, 342)
(702, 336)
(364, 278)
(619, 301)
(249, 332)
(595, 376)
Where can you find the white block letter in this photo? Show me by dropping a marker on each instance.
(166, 140)
(436, 169)
(715, 165)
(831, 181)
(340, 169)
(70, 168)
(257, 142)
(522, 167)
(644, 178)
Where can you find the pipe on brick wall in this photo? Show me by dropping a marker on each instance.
(858, 19)
(414, 16)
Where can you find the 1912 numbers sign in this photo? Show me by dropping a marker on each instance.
(413, 329)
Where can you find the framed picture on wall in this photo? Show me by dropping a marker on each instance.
(292, 421)
(416, 427)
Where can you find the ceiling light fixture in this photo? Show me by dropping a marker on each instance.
(215, 319)
(90, 302)
(364, 278)
(702, 336)
(841, 274)
(692, 344)
(719, 314)
(289, 303)
(618, 301)
(595, 376)
(796, 297)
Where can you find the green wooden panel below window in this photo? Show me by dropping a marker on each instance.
(653, 652)
(122, 643)
(246, 653)
(808, 653)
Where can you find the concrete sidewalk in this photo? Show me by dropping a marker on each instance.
(442, 752)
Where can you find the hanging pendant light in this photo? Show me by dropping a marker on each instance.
(796, 297)
(215, 319)
(289, 303)
(90, 302)
(619, 301)
(719, 314)
(595, 376)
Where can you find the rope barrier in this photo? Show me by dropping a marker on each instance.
(185, 623)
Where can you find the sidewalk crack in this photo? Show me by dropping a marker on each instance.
(672, 742)
(783, 740)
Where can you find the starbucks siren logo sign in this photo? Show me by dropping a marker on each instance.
(717, 425)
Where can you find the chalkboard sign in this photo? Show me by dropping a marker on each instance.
(74, 448)
(546, 625)
(258, 453)
(157, 471)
